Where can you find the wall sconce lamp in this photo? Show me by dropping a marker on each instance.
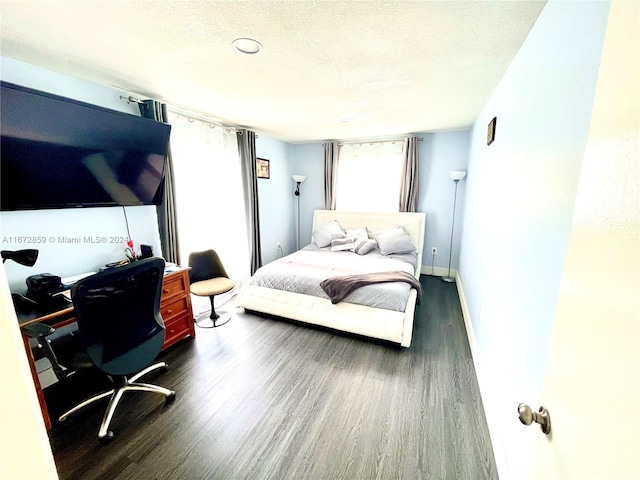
(298, 179)
(26, 257)
(456, 176)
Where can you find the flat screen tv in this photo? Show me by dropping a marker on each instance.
(61, 153)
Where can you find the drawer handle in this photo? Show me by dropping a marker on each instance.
(165, 290)
(169, 311)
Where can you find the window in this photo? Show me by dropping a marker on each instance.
(369, 176)
(209, 195)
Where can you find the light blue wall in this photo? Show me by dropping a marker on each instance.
(277, 222)
(278, 204)
(308, 160)
(440, 153)
(55, 257)
(520, 193)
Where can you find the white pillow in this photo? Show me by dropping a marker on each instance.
(359, 242)
(394, 240)
(364, 245)
(323, 235)
(357, 232)
(342, 244)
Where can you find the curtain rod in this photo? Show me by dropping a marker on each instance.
(131, 99)
(189, 115)
(373, 142)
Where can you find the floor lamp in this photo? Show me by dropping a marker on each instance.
(298, 179)
(456, 176)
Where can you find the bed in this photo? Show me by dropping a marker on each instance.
(290, 287)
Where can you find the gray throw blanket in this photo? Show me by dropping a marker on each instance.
(339, 288)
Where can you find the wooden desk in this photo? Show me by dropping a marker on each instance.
(175, 308)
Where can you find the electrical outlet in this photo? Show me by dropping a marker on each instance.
(278, 246)
(434, 250)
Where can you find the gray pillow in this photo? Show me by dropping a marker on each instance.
(323, 235)
(394, 240)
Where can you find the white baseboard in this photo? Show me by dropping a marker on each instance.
(485, 385)
(436, 271)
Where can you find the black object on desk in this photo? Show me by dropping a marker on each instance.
(146, 251)
(43, 287)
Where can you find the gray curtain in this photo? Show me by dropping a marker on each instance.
(409, 188)
(330, 174)
(247, 150)
(167, 222)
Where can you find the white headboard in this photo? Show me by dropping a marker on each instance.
(413, 223)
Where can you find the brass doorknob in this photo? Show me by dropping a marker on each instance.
(542, 417)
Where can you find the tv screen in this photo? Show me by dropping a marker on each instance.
(60, 153)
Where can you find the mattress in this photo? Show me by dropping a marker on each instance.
(303, 271)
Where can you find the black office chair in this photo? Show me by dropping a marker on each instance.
(120, 330)
(208, 278)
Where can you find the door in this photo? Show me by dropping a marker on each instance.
(592, 381)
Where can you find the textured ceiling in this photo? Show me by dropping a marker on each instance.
(393, 67)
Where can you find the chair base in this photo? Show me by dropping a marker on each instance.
(214, 319)
(213, 322)
(123, 384)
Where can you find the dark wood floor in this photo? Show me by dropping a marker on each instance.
(266, 399)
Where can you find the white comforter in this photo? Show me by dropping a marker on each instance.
(302, 272)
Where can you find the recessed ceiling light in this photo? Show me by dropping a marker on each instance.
(247, 45)
(346, 120)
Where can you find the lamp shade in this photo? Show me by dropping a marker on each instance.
(26, 257)
(299, 178)
(457, 174)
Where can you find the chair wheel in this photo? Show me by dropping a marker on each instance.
(169, 399)
(107, 439)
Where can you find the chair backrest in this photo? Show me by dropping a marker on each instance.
(118, 315)
(205, 265)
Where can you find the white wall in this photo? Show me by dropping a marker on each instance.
(51, 226)
(520, 194)
(24, 446)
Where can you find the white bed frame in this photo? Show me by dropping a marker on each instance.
(396, 327)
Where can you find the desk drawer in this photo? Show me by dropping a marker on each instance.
(177, 328)
(173, 309)
(174, 285)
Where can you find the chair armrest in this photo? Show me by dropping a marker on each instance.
(40, 331)
(35, 330)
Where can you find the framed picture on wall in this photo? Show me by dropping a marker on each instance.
(491, 131)
(263, 168)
